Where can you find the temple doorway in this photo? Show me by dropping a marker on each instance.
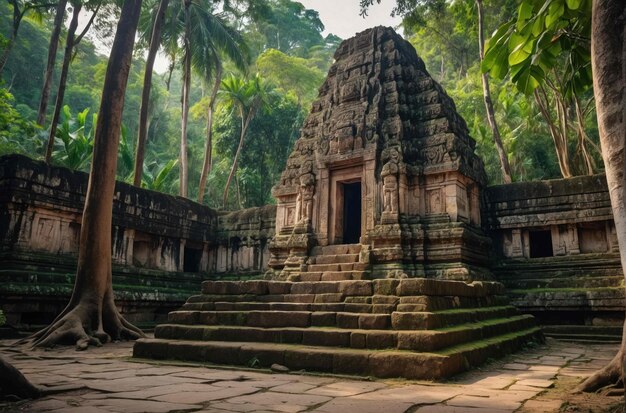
(351, 212)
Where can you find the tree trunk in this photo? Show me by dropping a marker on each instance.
(245, 122)
(582, 137)
(206, 165)
(560, 141)
(91, 316)
(608, 52)
(491, 117)
(52, 53)
(67, 57)
(13, 383)
(184, 167)
(142, 135)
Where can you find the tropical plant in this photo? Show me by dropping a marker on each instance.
(17, 135)
(546, 51)
(71, 42)
(75, 140)
(158, 176)
(21, 9)
(245, 97)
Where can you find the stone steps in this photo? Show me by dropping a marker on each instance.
(396, 320)
(339, 249)
(569, 282)
(334, 259)
(377, 304)
(379, 327)
(415, 340)
(365, 362)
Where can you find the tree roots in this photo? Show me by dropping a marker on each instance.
(84, 327)
(609, 376)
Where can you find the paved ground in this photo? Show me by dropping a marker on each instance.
(535, 380)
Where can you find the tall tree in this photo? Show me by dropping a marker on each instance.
(608, 58)
(155, 40)
(71, 42)
(20, 10)
(52, 54)
(91, 316)
(208, 148)
(491, 116)
(245, 97)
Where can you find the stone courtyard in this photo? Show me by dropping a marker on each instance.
(537, 379)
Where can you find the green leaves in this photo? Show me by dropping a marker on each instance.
(530, 46)
(555, 11)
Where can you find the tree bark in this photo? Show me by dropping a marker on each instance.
(184, 167)
(206, 165)
(67, 57)
(13, 382)
(245, 122)
(608, 52)
(491, 117)
(91, 316)
(142, 134)
(52, 53)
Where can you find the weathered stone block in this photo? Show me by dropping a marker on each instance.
(358, 288)
(385, 287)
(348, 320)
(279, 318)
(374, 321)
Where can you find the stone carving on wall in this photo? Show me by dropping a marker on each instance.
(306, 192)
(389, 175)
(433, 201)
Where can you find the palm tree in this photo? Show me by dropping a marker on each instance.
(142, 134)
(205, 36)
(246, 97)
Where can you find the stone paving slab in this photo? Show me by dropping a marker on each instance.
(114, 383)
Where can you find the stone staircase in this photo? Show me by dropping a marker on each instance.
(411, 328)
(334, 263)
(576, 297)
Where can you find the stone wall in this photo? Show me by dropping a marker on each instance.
(556, 250)
(163, 246)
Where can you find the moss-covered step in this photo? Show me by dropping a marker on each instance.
(376, 363)
(415, 340)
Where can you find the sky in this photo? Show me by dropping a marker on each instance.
(341, 17)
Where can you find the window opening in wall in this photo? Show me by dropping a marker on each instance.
(540, 244)
(193, 256)
(351, 213)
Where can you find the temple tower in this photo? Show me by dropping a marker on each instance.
(384, 166)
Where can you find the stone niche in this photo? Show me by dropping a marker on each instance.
(383, 161)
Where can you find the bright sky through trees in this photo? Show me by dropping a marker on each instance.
(341, 17)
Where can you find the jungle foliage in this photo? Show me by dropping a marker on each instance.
(285, 48)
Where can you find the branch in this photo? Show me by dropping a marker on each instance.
(86, 29)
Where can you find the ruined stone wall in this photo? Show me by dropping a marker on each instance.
(574, 213)
(242, 240)
(163, 246)
(556, 251)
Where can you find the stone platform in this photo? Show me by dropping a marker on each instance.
(412, 328)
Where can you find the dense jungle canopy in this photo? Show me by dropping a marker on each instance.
(267, 59)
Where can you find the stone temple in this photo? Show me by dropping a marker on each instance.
(385, 254)
(384, 163)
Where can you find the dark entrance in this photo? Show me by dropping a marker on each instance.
(540, 244)
(192, 259)
(351, 213)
